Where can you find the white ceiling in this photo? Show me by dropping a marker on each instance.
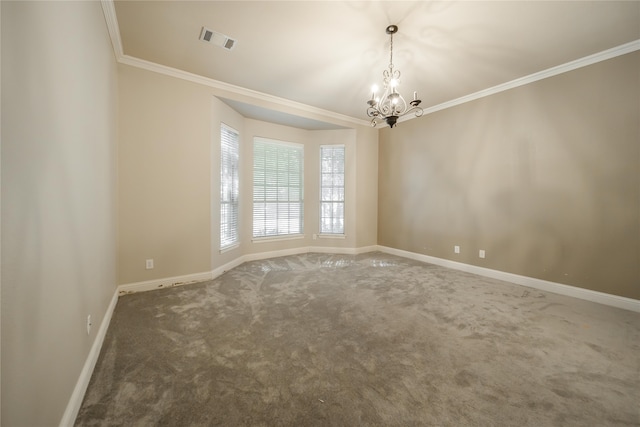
(327, 54)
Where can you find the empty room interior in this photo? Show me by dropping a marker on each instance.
(320, 213)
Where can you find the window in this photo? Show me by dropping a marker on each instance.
(277, 188)
(332, 189)
(229, 188)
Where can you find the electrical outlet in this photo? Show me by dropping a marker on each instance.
(88, 324)
(149, 264)
(481, 253)
(456, 249)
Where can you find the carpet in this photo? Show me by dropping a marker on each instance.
(366, 340)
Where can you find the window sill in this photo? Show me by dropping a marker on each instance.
(331, 236)
(229, 248)
(269, 239)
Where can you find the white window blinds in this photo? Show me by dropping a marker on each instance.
(278, 208)
(229, 188)
(332, 189)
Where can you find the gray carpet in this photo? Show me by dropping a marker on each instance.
(368, 340)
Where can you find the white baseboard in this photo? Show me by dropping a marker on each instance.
(71, 412)
(366, 249)
(544, 285)
(167, 282)
(228, 266)
(274, 254)
(308, 249)
(558, 288)
(341, 251)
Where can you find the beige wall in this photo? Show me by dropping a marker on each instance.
(545, 178)
(169, 178)
(164, 176)
(366, 187)
(58, 200)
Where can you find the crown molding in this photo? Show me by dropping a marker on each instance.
(550, 72)
(243, 92)
(114, 31)
(109, 11)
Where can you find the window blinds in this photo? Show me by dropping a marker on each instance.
(332, 189)
(278, 208)
(229, 188)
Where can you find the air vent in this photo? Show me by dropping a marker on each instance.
(229, 43)
(206, 36)
(218, 39)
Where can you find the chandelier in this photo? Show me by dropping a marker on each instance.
(391, 105)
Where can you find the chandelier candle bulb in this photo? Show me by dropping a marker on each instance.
(415, 95)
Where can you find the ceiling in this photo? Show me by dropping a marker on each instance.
(327, 54)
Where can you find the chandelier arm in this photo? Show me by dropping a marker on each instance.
(416, 110)
(402, 106)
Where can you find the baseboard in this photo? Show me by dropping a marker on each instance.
(288, 252)
(342, 251)
(544, 285)
(558, 288)
(71, 412)
(228, 266)
(274, 254)
(306, 250)
(366, 249)
(166, 282)
(169, 282)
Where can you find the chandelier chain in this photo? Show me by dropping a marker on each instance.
(391, 53)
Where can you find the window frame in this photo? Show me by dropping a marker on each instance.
(276, 197)
(321, 202)
(232, 196)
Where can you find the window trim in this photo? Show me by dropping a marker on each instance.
(332, 236)
(267, 239)
(326, 235)
(235, 243)
(278, 237)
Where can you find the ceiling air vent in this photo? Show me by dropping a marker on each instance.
(218, 39)
(229, 43)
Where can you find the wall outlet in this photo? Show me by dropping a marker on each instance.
(481, 253)
(456, 249)
(88, 324)
(149, 264)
